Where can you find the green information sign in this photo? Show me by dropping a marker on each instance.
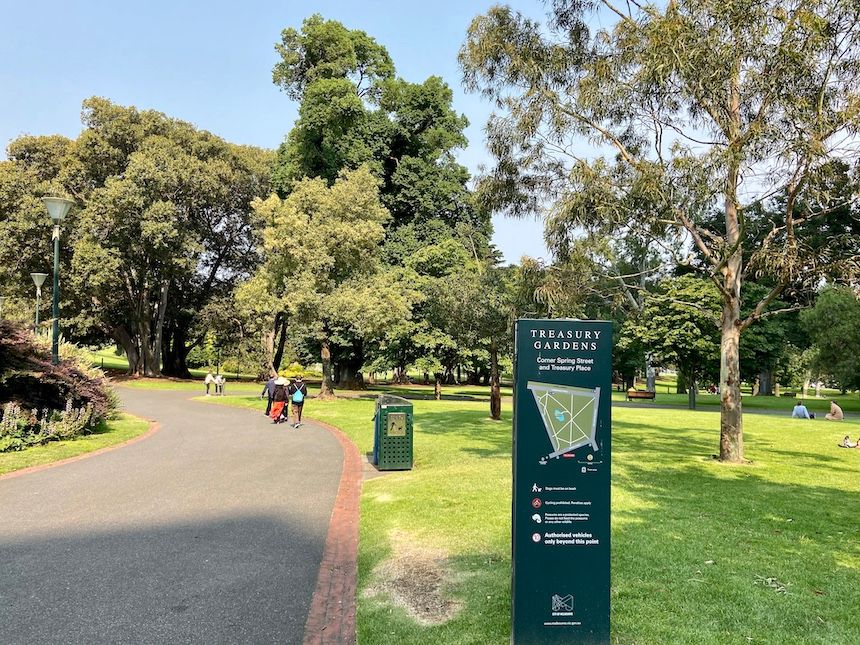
(562, 446)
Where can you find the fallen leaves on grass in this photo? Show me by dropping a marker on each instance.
(772, 583)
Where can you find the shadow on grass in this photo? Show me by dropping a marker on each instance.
(495, 442)
(717, 542)
(421, 394)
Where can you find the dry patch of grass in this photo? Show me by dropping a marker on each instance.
(415, 578)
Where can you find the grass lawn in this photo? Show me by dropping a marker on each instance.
(111, 433)
(702, 552)
(848, 402)
(455, 392)
(231, 387)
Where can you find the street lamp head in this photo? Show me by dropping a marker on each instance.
(58, 208)
(39, 279)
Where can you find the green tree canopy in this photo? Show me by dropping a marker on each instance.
(325, 49)
(690, 105)
(353, 111)
(834, 329)
(322, 248)
(163, 225)
(680, 326)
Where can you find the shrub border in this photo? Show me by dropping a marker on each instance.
(154, 426)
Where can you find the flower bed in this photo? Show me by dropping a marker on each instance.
(41, 402)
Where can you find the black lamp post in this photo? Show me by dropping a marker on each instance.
(58, 208)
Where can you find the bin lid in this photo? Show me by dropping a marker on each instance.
(384, 400)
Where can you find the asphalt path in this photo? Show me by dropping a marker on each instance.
(211, 530)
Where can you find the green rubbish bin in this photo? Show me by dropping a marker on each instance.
(392, 433)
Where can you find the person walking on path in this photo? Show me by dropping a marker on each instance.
(835, 413)
(208, 381)
(219, 385)
(269, 393)
(278, 399)
(800, 412)
(163, 556)
(297, 392)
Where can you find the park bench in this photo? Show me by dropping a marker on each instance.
(640, 394)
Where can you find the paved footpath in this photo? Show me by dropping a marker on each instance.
(211, 530)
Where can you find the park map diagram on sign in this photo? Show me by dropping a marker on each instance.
(569, 415)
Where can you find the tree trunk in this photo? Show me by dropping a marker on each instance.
(691, 393)
(765, 383)
(159, 326)
(279, 340)
(495, 389)
(144, 325)
(805, 387)
(681, 384)
(437, 391)
(731, 418)
(818, 388)
(730, 267)
(126, 341)
(177, 366)
(350, 376)
(326, 387)
(175, 351)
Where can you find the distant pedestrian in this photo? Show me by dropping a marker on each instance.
(219, 385)
(835, 413)
(208, 381)
(268, 392)
(278, 399)
(800, 412)
(297, 392)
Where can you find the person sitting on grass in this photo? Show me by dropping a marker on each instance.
(800, 412)
(835, 413)
(847, 443)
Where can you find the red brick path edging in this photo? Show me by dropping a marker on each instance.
(331, 619)
(154, 427)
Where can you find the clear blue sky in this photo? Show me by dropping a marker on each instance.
(210, 63)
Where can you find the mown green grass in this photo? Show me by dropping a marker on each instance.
(701, 550)
(459, 392)
(848, 402)
(111, 433)
(231, 387)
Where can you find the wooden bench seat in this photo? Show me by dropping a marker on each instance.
(640, 394)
